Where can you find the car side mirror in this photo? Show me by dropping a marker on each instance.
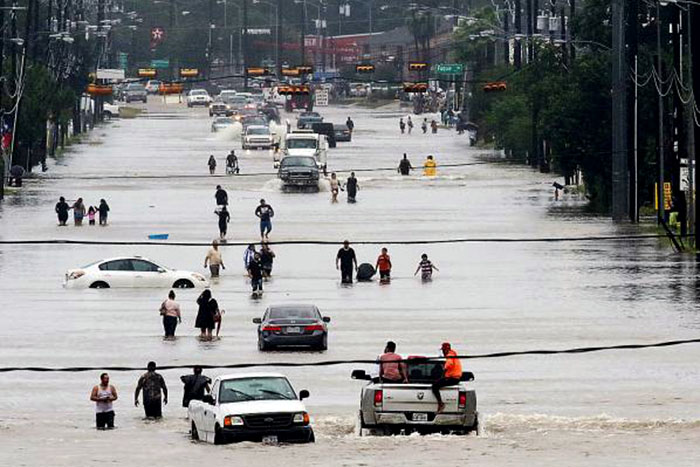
(208, 399)
(161, 270)
(467, 376)
(257, 320)
(360, 374)
(303, 394)
(326, 319)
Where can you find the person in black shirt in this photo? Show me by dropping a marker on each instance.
(221, 196)
(255, 271)
(196, 385)
(265, 213)
(224, 218)
(103, 209)
(350, 124)
(62, 211)
(345, 261)
(405, 166)
(351, 186)
(267, 257)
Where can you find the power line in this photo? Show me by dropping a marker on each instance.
(590, 238)
(505, 354)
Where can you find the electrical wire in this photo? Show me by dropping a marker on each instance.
(503, 354)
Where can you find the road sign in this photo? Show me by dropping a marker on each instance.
(110, 73)
(123, 60)
(161, 63)
(322, 97)
(449, 68)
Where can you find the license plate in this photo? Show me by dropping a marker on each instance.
(269, 440)
(293, 330)
(420, 417)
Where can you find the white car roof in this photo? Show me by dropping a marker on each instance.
(199, 91)
(250, 375)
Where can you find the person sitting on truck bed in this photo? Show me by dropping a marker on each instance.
(391, 367)
(451, 376)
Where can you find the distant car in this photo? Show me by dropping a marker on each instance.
(198, 97)
(135, 92)
(257, 136)
(110, 110)
(253, 120)
(272, 114)
(221, 123)
(342, 132)
(251, 407)
(307, 119)
(325, 129)
(292, 325)
(218, 108)
(132, 271)
(152, 86)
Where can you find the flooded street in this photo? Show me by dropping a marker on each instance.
(631, 407)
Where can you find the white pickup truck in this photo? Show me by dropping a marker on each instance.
(307, 143)
(251, 407)
(392, 408)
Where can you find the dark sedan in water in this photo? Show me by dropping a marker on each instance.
(292, 325)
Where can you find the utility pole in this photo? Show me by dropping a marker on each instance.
(528, 29)
(694, 47)
(572, 15)
(660, 212)
(506, 45)
(690, 126)
(278, 39)
(303, 33)
(517, 46)
(5, 161)
(620, 154)
(245, 44)
(633, 110)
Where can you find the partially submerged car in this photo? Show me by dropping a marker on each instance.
(292, 325)
(257, 136)
(131, 271)
(392, 408)
(300, 172)
(251, 407)
(221, 123)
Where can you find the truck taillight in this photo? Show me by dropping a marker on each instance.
(462, 399)
(378, 397)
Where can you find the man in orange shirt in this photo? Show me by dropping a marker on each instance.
(384, 266)
(451, 376)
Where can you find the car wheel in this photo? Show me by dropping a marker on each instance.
(194, 434)
(262, 345)
(312, 437)
(108, 115)
(99, 285)
(324, 343)
(476, 428)
(183, 284)
(359, 425)
(218, 435)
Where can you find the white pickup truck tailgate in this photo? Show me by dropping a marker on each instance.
(417, 398)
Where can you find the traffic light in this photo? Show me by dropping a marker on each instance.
(364, 68)
(147, 73)
(415, 87)
(293, 90)
(496, 86)
(170, 88)
(290, 72)
(418, 66)
(305, 70)
(189, 72)
(258, 71)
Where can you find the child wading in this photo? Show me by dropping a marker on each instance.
(384, 267)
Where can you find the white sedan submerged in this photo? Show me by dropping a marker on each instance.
(133, 271)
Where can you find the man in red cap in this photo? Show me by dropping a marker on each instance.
(451, 376)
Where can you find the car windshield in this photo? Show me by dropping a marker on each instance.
(258, 131)
(292, 312)
(310, 115)
(135, 87)
(298, 162)
(199, 92)
(301, 144)
(224, 121)
(255, 389)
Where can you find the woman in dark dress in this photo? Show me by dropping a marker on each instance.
(208, 308)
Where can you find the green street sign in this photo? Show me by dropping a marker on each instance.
(449, 68)
(123, 60)
(160, 63)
